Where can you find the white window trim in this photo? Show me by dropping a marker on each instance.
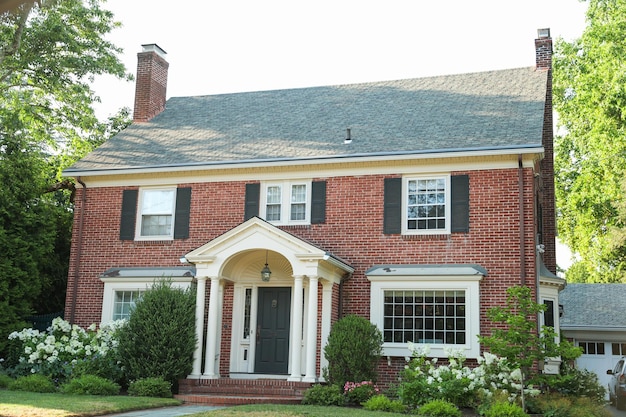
(285, 206)
(405, 203)
(469, 284)
(113, 285)
(139, 216)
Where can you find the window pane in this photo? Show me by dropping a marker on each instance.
(298, 212)
(157, 210)
(424, 316)
(426, 204)
(272, 212)
(156, 225)
(123, 302)
(298, 193)
(157, 202)
(273, 195)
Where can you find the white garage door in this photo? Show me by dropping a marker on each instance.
(599, 357)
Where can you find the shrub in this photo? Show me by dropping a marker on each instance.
(353, 350)
(504, 409)
(424, 380)
(159, 339)
(5, 380)
(324, 395)
(150, 387)
(557, 405)
(33, 383)
(90, 385)
(575, 383)
(439, 408)
(359, 392)
(56, 351)
(382, 403)
(105, 366)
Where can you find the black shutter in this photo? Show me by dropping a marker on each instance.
(183, 208)
(129, 210)
(318, 202)
(253, 192)
(459, 189)
(392, 217)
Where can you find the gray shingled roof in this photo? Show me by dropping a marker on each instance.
(487, 110)
(593, 305)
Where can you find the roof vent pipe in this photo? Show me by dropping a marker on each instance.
(348, 136)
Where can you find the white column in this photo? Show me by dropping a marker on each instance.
(197, 354)
(311, 333)
(212, 332)
(296, 331)
(327, 306)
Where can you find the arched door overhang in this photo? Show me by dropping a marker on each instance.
(234, 260)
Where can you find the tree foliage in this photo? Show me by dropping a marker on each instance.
(50, 51)
(590, 98)
(518, 339)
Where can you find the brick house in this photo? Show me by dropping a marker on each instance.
(415, 203)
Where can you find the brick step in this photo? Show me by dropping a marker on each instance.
(232, 391)
(228, 400)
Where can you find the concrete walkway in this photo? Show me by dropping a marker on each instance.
(182, 410)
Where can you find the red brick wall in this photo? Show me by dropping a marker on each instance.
(353, 231)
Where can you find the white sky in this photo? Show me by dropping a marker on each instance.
(223, 46)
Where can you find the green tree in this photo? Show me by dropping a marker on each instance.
(516, 336)
(159, 338)
(590, 98)
(50, 51)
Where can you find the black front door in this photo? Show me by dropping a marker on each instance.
(272, 336)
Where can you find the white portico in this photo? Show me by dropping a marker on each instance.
(276, 327)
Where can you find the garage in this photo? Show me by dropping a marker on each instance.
(595, 321)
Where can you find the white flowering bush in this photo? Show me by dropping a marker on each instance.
(64, 349)
(424, 380)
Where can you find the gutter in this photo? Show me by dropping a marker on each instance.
(79, 250)
(360, 157)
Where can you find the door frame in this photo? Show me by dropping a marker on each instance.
(243, 350)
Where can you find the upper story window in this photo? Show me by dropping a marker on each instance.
(156, 208)
(419, 205)
(155, 213)
(286, 202)
(427, 205)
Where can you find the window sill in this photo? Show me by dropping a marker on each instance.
(156, 242)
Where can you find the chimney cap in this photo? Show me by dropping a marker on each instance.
(543, 33)
(153, 47)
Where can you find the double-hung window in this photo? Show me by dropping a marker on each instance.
(286, 202)
(426, 205)
(155, 213)
(156, 208)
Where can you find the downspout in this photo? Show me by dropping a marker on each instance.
(522, 229)
(79, 250)
(344, 278)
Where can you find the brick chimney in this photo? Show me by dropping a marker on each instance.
(543, 49)
(151, 83)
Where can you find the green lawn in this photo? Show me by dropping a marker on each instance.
(267, 410)
(20, 404)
